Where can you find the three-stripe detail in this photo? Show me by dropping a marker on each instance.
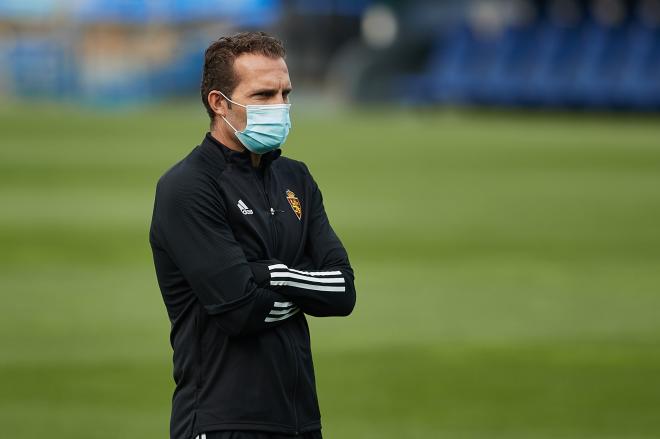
(281, 311)
(330, 281)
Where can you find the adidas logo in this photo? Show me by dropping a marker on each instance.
(244, 209)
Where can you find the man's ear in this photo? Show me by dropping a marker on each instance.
(217, 103)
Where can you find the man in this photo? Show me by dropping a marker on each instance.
(243, 250)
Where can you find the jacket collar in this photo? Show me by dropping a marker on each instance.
(219, 153)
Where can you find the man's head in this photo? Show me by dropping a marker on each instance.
(249, 68)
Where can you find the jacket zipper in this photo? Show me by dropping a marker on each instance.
(271, 211)
(273, 228)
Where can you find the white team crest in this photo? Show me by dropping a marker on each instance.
(244, 209)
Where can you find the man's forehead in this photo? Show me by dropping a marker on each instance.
(255, 70)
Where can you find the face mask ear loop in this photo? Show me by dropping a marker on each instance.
(235, 103)
(232, 126)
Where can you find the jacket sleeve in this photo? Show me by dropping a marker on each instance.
(196, 234)
(326, 290)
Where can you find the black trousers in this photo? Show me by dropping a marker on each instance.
(258, 435)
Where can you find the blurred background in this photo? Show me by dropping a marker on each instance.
(493, 168)
(586, 54)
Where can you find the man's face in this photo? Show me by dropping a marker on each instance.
(261, 81)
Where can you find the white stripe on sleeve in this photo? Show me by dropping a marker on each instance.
(317, 273)
(308, 273)
(284, 283)
(276, 266)
(321, 280)
(275, 312)
(285, 316)
(283, 304)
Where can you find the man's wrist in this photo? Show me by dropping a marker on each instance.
(261, 272)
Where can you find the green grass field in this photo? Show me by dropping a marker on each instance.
(507, 269)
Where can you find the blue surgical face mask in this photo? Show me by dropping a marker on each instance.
(267, 126)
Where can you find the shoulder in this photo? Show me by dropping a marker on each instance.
(298, 167)
(296, 170)
(190, 179)
(191, 171)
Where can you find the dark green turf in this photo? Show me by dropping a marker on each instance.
(508, 272)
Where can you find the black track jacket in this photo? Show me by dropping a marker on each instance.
(241, 255)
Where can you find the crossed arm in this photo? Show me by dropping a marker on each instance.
(247, 297)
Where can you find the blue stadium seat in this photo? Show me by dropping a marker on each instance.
(331, 7)
(600, 65)
(516, 54)
(459, 65)
(558, 52)
(182, 75)
(240, 13)
(42, 67)
(103, 11)
(639, 85)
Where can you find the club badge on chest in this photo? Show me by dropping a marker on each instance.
(294, 202)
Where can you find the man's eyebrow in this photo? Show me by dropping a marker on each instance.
(265, 91)
(269, 91)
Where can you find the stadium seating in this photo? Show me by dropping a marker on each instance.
(496, 58)
(587, 64)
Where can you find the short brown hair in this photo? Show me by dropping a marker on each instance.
(219, 59)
